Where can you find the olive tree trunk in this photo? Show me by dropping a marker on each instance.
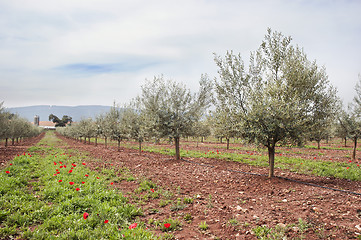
(354, 148)
(271, 160)
(177, 152)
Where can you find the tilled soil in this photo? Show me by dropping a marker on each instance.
(222, 193)
(9, 152)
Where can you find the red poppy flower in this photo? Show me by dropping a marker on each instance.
(70, 171)
(60, 180)
(358, 165)
(61, 166)
(60, 162)
(82, 182)
(83, 163)
(134, 225)
(7, 172)
(97, 177)
(111, 183)
(18, 155)
(64, 166)
(71, 183)
(347, 167)
(57, 172)
(86, 175)
(167, 225)
(54, 174)
(69, 155)
(72, 168)
(152, 190)
(106, 221)
(11, 164)
(77, 189)
(85, 215)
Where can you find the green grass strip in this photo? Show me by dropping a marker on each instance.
(42, 199)
(345, 170)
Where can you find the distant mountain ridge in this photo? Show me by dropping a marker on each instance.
(76, 112)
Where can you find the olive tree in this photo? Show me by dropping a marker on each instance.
(201, 129)
(172, 108)
(135, 124)
(276, 99)
(113, 125)
(225, 124)
(350, 125)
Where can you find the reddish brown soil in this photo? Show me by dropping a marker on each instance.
(9, 152)
(221, 195)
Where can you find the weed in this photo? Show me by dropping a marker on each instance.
(233, 222)
(203, 226)
(210, 202)
(163, 203)
(264, 232)
(188, 217)
(178, 205)
(188, 200)
(167, 236)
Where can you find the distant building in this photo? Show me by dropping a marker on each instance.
(44, 124)
(36, 120)
(47, 125)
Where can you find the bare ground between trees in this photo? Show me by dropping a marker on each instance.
(220, 196)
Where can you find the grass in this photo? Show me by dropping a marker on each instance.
(37, 203)
(343, 170)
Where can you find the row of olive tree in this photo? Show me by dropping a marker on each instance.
(281, 97)
(349, 121)
(13, 127)
(164, 109)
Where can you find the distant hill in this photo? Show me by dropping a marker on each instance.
(43, 111)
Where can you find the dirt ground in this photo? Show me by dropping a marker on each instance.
(234, 204)
(9, 152)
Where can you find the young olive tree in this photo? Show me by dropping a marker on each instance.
(350, 125)
(135, 124)
(86, 127)
(277, 98)
(225, 124)
(113, 125)
(201, 129)
(172, 108)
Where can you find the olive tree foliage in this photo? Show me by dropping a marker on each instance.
(135, 124)
(172, 108)
(350, 126)
(201, 129)
(113, 126)
(226, 124)
(278, 97)
(86, 128)
(13, 127)
(350, 121)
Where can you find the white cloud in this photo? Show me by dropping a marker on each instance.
(40, 42)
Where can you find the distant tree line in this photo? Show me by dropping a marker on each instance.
(281, 97)
(14, 128)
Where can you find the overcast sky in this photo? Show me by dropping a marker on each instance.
(85, 52)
